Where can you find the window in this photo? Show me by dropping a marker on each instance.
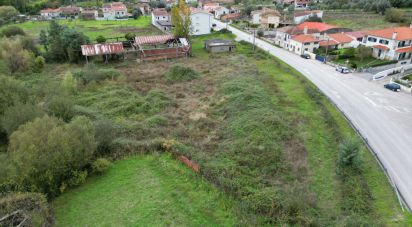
(306, 44)
(382, 41)
(402, 56)
(371, 39)
(306, 49)
(402, 44)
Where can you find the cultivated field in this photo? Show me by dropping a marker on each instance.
(357, 20)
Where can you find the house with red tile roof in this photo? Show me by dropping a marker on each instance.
(114, 10)
(339, 41)
(303, 43)
(390, 43)
(322, 28)
(161, 19)
(266, 18)
(50, 14)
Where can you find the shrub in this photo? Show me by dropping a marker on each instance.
(31, 207)
(78, 177)
(47, 150)
(105, 134)
(15, 56)
(394, 15)
(39, 63)
(260, 33)
(18, 115)
(130, 36)
(101, 165)
(179, 73)
(7, 14)
(100, 39)
(225, 31)
(11, 92)
(12, 31)
(62, 107)
(349, 154)
(69, 82)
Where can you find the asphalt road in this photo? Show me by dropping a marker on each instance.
(383, 117)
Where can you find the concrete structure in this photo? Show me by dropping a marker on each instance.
(301, 16)
(114, 11)
(89, 14)
(50, 14)
(219, 45)
(266, 18)
(381, 116)
(201, 22)
(390, 43)
(303, 43)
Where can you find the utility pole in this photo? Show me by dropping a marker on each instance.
(254, 39)
(327, 48)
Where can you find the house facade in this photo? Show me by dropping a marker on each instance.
(220, 11)
(89, 14)
(391, 43)
(303, 43)
(50, 14)
(201, 22)
(114, 11)
(70, 12)
(161, 19)
(302, 16)
(266, 18)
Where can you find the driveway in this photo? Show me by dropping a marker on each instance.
(383, 117)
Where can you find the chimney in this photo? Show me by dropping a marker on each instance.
(410, 26)
(305, 30)
(394, 35)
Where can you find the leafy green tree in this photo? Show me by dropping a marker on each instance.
(12, 92)
(7, 14)
(61, 106)
(44, 39)
(46, 151)
(12, 31)
(181, 19)
(14, 55)
(130, 36)
(19, 114)
(100, 39)
(363, 52)
(395, 15)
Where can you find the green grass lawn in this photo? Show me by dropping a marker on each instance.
(150, 190)
(356, 20)
(367, 62)
(94, 28)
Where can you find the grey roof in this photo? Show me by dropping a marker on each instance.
(219, 42)
(164, 23)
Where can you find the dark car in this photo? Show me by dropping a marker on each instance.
(392, 86)
(305, 56)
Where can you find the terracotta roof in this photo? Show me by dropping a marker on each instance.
(154, 39)
(305, 39)
(381, 47)
(404, 33)
(160, 12)
(325, 43)
(357, 34)
(50, 11)
(340, 38)
(293, 30)
(231, 16)
(196, 10)
(304, 13)
(321, 27)
(100, 49)
(265, 11)
(404, 50)
(211, 4)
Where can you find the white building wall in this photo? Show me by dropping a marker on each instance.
(201, 23)
(256, 18)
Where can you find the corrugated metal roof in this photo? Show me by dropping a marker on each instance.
(102, 48)
(140, 40)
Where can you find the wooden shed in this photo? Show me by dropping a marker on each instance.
(161, 47)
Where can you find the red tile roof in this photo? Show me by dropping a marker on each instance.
(50, 11)
(103, 48)
(357, 34)
(231, 16)
(404, 33)
(321, 27)
(325, 43)
(305, 39)
(160, 12)
(340, 38)
(381, 47)
(154, 39)
(404, 50)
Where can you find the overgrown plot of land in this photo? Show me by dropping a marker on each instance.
(151, 190)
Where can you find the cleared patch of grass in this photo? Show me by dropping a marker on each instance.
(151, 190)
(179, 73)
(356, 20)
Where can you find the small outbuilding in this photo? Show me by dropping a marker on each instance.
(219, 45)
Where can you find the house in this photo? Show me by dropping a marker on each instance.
(285, 34)
(230, 17)
(201, 22)
(50, 14)
(72, 12)
(302, 4)
(210, 7)
(302, 16)
(320, 29)
(114, 10)
(390, 43)
(219, 45)
(235, 9)
(339, 41)
(89, 14)
(220, 11)
(303, 43)
(161, 19)
(266, 18)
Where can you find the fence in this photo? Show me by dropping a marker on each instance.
(392, 71)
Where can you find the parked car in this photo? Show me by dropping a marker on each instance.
(342, 69)
(392, 86)
(305, 56)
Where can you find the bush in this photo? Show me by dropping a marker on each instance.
(100, 39)
(47, 151)
(69, 82)
(31, 207)
(101, 165)
(62, 107)
(130, 36)
(179, 73)
(349, 154)
(91, 73)
(225, 31)
(18, 115)
(394, 15)
(15, 56)
(11, 92)
(260, 33)
(12, 31)
(39, 63)
(105, 134)
(7, 14)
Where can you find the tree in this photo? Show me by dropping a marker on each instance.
(61, 106)
(11, 92)
(47, 151)
(314, 18)
(181, 19)
(19, 114)
(14, 55)
(7, 14)
(137, 13)
(130, 36)
(363, 52)
(100, 39)
(12, 31)
(44, 39)
(381, 6)
(395, 15)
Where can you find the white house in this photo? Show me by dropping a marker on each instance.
(266, 18)
(201, 22)
(390, 43)
(159, 14)
(50, 14)
(220, 11)
(114, 10)
(303, 43)
(302, 16)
